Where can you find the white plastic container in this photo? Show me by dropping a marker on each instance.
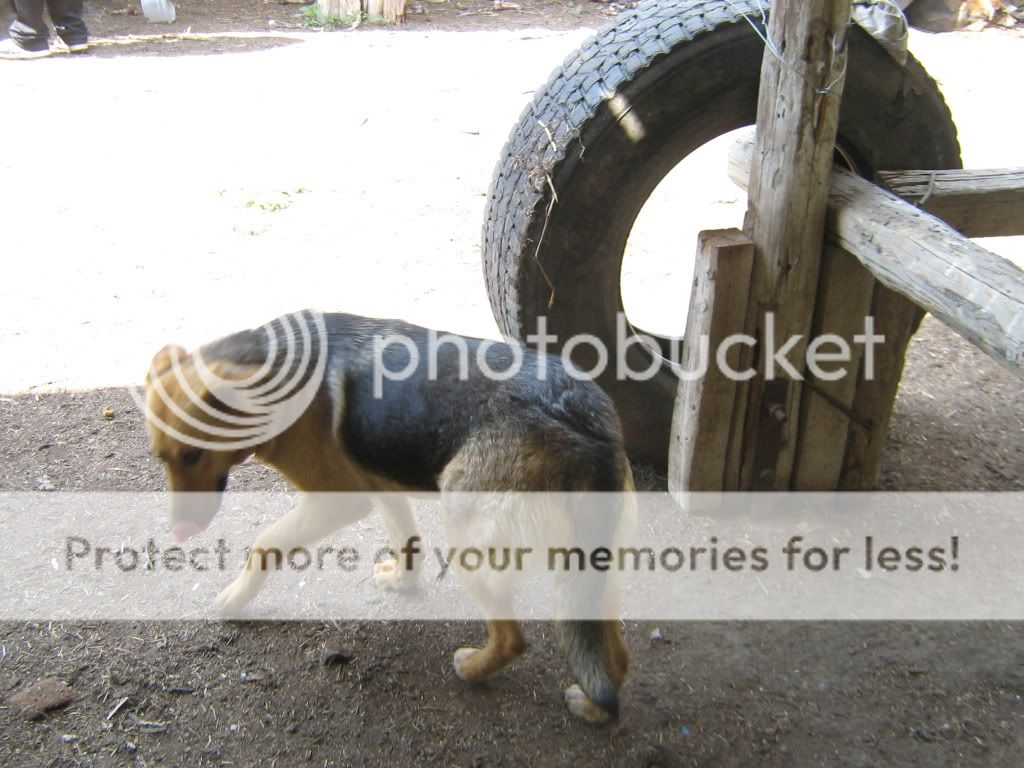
(161, 11)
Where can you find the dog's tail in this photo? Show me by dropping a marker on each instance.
(594, 648)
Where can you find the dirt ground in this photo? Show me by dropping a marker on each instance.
(225, 26)
(162, 181)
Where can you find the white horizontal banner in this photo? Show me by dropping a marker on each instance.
(529, 556)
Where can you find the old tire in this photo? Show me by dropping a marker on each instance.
(688, 71)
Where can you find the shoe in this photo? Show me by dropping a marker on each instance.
(59, 45)
(11, 50)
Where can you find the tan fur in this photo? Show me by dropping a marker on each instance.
(505, 642)
(617, 655)
(978, 13)
(213, 465)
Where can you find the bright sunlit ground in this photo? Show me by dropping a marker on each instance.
(150, 200)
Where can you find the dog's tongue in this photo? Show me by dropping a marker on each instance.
(186, 529)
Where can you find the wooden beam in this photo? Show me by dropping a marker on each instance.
(802, 76)
(985, 203)
(706, 420)
(974, 291)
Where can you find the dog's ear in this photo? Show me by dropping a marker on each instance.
(229, 371)
(229, 376)
(229, 383)
(163, 360)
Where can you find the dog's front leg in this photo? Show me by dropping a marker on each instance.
(398, 573)
(313, 518)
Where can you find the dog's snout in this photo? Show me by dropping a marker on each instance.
(192, 513)
(186, 529)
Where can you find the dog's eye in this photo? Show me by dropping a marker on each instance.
(191, 458)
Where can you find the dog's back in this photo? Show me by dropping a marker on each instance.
(414, 425)
(407, 400)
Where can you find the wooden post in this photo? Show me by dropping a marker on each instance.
(798, 115)
(389, 11)
(709, 408)
(394, 11)
(327, 10)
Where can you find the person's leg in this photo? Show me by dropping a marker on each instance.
(28, 29)
(68, 23)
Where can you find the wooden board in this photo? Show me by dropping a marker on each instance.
(897, 318)
(845, 293)
(704, 421)
(985, 203)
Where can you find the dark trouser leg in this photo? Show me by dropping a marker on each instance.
(28, 29)
(67, 20)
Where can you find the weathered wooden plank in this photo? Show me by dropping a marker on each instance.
(802, 76)
(896, 318)
(338, 9)
(733, 478)
(975, 292)
(704, 421)
(845, 291)
(983, 203)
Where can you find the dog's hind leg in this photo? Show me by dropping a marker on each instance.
(494, 595)
(313, 518)
(394, 574)
(600, 661)
(470, 522)
(505, 642)
(592, 639)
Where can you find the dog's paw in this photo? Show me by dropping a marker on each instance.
(463, 665)
(389, 577)
(580, 705)
(236, 596)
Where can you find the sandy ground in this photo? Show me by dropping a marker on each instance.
(174, 198)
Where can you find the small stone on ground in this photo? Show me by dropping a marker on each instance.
(39, 698)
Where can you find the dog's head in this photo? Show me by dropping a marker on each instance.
(182, 422)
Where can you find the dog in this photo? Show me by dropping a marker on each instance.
(446, 426)
(978, 14)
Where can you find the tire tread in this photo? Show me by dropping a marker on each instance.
(617, 54)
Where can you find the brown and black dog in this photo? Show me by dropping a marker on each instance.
(448, 426)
